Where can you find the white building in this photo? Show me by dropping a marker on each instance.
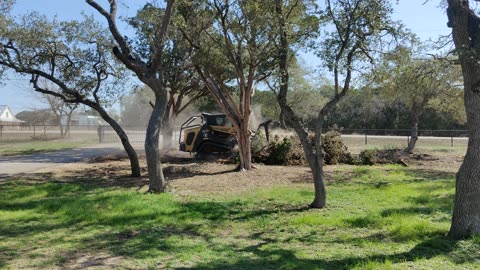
(82, 120)
(7, 117)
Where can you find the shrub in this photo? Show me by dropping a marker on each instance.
(288, 150)
(368, 157)
(334, 150)
(279, 151)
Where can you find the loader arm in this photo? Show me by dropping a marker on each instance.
(266, 126)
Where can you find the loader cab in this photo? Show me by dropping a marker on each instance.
(217, 120)
(207, 134)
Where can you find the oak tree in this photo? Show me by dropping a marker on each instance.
(147, 66)
(465, 24)
(179, 76)
(235, 47)
(62, 111)
(358, 28)
(73, 57)
(419, 82)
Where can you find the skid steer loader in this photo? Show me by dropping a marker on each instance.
(210, 134)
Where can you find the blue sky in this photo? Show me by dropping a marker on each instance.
(427, 20)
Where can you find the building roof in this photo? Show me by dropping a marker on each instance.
(14, 119)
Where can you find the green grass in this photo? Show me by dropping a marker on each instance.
(31, 147)
(399, 224)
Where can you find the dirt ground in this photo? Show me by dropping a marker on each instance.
(187, 176)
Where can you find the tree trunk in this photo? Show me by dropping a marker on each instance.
(62, 133)
(466, 213)
(132, 154)
(59, 121)
(244, 145)
(320, 200)
(314, 158)
(152, 149)
(69, 124)
(465, 31)
(413, 134)
(316, 164)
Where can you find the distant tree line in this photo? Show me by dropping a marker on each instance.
(362, 111)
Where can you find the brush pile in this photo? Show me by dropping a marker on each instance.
(287, 150)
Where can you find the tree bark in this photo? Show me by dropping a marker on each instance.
(466, 213)
(413, 134)
(465, 31)
(59, 121)
(312, 151)
(149, 73)
(244, 146)
(152, 149)
(69, 124)
(320, 200)
(131, 153)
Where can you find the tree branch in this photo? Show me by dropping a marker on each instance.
(160, 36)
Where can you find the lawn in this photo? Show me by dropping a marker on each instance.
(379, 217)
(12, 148)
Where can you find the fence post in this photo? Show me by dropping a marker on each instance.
(100, 133)
(366, 137)
(1, 132)
(34, 133)
(451, 138)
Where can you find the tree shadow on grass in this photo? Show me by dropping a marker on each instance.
(180, 172)
(278, 258)
(91, 178)
(438, 208)
(424, 204)
(6, 254)
(151, 242)
(113, 175)
(74, 204)
(60, 156)
(417, 175)
(149, 234)
(429, 174)
(187, 230)
(446, 208)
